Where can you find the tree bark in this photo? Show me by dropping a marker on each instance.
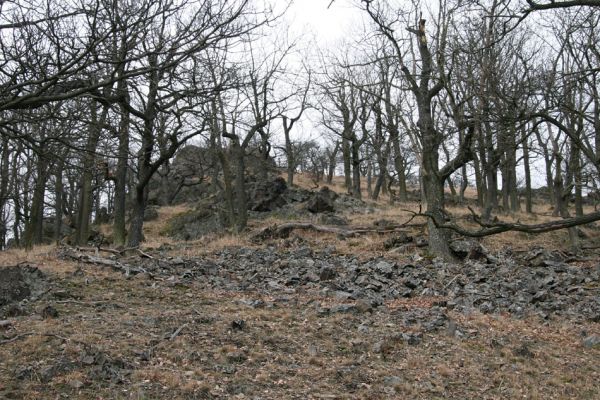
(527, 173)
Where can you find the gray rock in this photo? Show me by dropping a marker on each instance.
(343, 308)
(327, 273)
(384, 268)
(150, 213)
(49, 312)
(397, 240)
(392, 380)
(322, 201)
(266, 195)
(329, 218)
(19, 283)
(591, 341)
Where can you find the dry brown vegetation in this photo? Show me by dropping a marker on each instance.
(144, 338)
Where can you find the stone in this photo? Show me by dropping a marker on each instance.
(364, 306)
(412, 339)
(397, 240)
(150, 213)
(591, 341)
(327, 273)
(75, 384)
(392, 380)
(542, 295)
(523, 351)
(194, 224)
(384, 268)
(343, 308)
(49, 312)
(468, 249)
(238, 325)
(19, 283)
(266, 195)
(236, 357)
(421, 241)
(321, 201)
(328, 218)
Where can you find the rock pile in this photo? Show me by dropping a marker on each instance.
(504, 282)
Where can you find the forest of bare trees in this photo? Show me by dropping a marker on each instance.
(101, 100)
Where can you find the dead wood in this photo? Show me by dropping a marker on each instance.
(73, 254)
(283, 231)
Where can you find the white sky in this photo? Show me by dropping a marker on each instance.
(326, 25)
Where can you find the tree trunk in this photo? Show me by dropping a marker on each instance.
(356, 189)
(4, 190)
(370, 180)
(58, 203)
(512, 171)
(527, 173)
(119, 230)
(289, 153)
(34, 229)
(347, 156)
(241, 219)
(464, 184)
(87, 190)
(399, 166)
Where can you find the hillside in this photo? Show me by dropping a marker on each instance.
(311, 316)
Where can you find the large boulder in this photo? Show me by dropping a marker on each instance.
(266, 195)
(322, 201)
(20, 282)
(193, 224)
(151, 213)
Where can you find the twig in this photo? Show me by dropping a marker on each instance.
(24, 335)
(450, 283)
(177, 332)
(145, 254)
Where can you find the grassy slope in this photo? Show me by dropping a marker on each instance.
(288, 351)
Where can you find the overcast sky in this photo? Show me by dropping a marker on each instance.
(327, 25)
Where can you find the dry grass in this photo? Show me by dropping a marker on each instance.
(288, 351)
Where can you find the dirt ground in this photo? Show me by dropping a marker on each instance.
(98, 334)
(80, 329)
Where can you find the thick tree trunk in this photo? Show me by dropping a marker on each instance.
(400, 168)
(58, 202)
(332, 162)
(432, 183)
(4, 192)
(370, 180)
(86, 199)
(289, 153)
(356, 189)
(575, 177)
(347, 156)
(547, 162)
(144, 165)
(228, 183)
(119, 230)
(464, 184)
(527, 173)
(34, 228)
(241, 218)
(136, 235)
(511, 158)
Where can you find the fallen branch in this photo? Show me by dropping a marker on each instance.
(107, 250)
(494, 228)
(283, 231)
(177, 332)
(24, 335)
(96, 260)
